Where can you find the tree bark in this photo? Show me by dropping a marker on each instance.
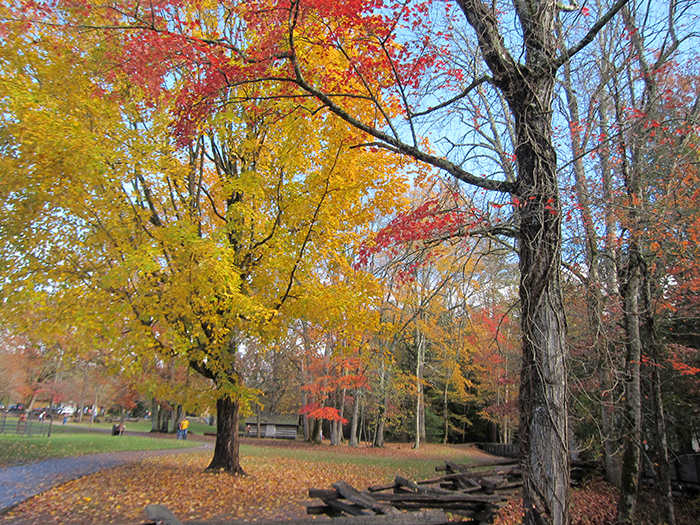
(445, 414)
(82, 393)
(661, 445)
(543, 382)
(355, 418)
(543, 388)
(528, 89)
(663, 465)
(165, 420)
(155, 418)
(610, 365)
(226, 456)
(378, 439)
(420, 413)
(633, 400)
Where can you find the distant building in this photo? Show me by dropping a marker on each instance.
(273, 426)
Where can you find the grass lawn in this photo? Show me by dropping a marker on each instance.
(141, 426)
(17, 450)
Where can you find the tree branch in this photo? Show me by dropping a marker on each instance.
(592, 32)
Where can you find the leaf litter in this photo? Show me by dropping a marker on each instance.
(275, 488)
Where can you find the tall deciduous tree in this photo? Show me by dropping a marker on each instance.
(185, 248)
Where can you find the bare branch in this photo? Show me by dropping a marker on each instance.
(454, 99)
(592, 32)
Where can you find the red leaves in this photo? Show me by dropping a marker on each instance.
(427, 222)
(355, 48)
(316, 411)
(680, 356)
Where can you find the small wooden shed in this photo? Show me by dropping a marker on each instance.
(273, 426)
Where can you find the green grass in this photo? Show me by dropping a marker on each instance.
(17, 450)
(139, 426)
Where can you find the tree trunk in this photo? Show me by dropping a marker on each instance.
(302, 378)
(155, 415)
(355, 418)
(316, 429)
(420, 414)
(633, 398)
(226, 449)
(174, 418)
(82, 393)
(378, 440)
(609, 422)
(661, 445)
(528, 89)
(164, 420)
(544, 430)
(663, 466)
(445, 413)
(258, 426)
(543, 392)
(337, 426)
(610, 366)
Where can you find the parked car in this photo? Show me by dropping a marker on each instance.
(19, 407)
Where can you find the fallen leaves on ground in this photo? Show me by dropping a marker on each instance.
(593, 504)
(276, 488)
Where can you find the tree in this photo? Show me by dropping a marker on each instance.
(184, 250)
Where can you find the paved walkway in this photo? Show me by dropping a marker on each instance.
(22, 482)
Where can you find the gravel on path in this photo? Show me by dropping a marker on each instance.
(20, 483)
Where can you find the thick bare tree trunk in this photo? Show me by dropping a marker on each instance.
(543, 388)
(226, 456)
(528, 90)
(543, 380)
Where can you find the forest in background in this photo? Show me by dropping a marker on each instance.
(342, 211)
